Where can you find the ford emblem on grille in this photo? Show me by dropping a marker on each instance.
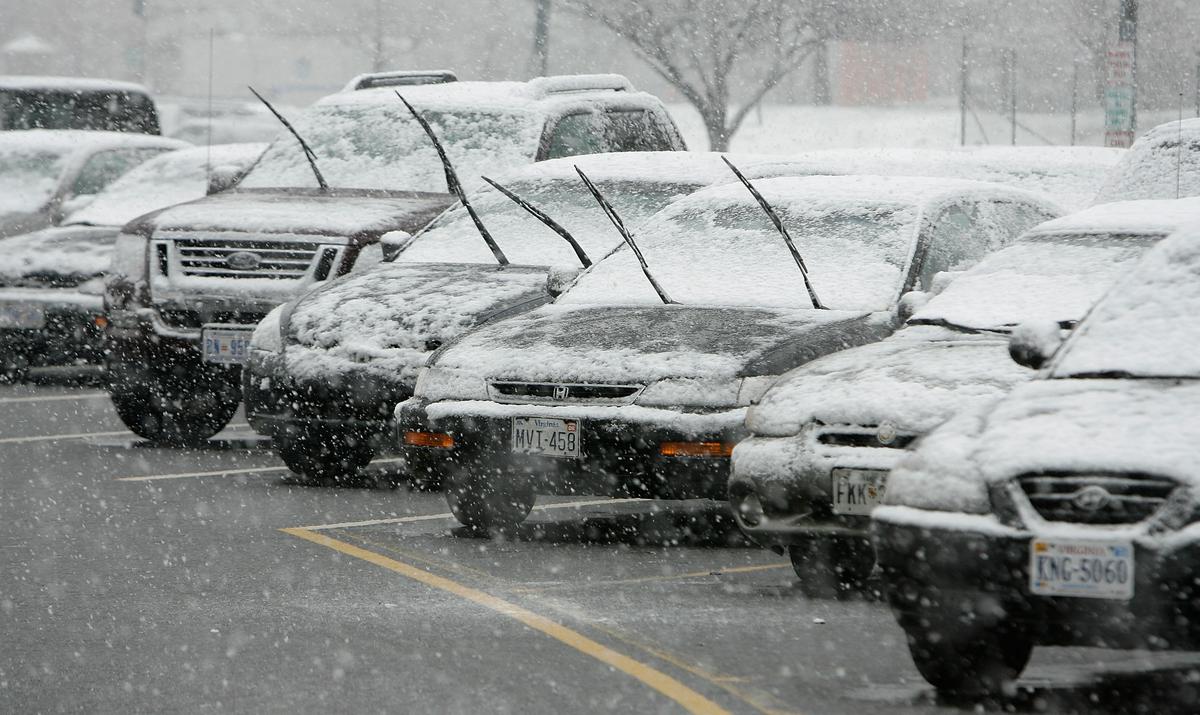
(561, 392)
(1091, 498)
(243, 261)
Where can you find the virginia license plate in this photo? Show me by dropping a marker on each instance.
(545, 436)
(857, 491)
(1081, 569)
(227, 346)
(28, 316)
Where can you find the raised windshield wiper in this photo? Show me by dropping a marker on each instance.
(620, 226)
(787, 237)
(308, 152)
(943, 323)
(454, 185)
(541, 216)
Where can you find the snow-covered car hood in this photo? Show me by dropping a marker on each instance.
(388, 319)
(915, 379)
(642, 344)
(302, 212)
(62, 256)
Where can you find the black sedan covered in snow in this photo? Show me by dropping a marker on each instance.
(636, 380)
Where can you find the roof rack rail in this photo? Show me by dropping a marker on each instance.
(399, 78)
(564, 83)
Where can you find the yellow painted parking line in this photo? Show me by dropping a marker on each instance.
(448, 515)
(219, 473)
(55, 398)
(690, 700)
(649, 579)
(56, 437)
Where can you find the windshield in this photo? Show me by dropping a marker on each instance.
(381, 146)
(725, 251)
(28, 177)
(1052, 277)
(1146, 325)
(452, 237)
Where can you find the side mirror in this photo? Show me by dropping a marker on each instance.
(1033, 344)
(393, 242)
(910, 303)
(221, 178)
(559, 279)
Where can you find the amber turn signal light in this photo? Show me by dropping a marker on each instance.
(438, 440)
(696, 449)
(100, 321)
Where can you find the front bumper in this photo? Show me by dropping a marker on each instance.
(620, 446)
(72, 333)
(979, 568)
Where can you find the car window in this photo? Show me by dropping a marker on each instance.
(608, 131)
(953, 242)
(577, 134)
(104, 167)
(636, 130)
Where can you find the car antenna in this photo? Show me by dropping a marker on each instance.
(454, 186)
(544, 218)
(308, 152)
(620, 226)
(1179, 147)
(787, 238)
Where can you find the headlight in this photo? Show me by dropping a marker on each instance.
(690, 392)
(941, 473)
(127, 268)
(440, 383)
(267, 335)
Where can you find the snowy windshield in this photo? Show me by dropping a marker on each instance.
(725, 251)
(28, 177)
(1052, 277)
(381, 146)
(453, 237)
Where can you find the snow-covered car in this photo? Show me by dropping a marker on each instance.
(1064, 514)
(31, 102)
(46, 174)
(326, 370)
(636, 380)
(189, 284)
(823, 438)
(1164, 163)
(51, 292)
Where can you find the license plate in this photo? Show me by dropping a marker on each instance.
(227, 346)
(1081, 569)
(22, 315)
(545, 436)
(857, 491)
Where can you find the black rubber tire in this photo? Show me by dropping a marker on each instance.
(966, 660)
(828, 567)
(177, 403)
(495, 504)
(324, 459)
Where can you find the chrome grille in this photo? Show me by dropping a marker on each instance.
(865, 438)
(1096, 498)
(219, 257)
(559, 393)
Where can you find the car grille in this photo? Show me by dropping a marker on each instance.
(1096, 498)
(867, 436)
(566, 394)
(219, 257)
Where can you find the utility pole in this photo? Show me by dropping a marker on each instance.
(541, 38)
(962, 95)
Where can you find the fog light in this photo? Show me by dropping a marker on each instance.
(437, 440)
(696, 449)
(749, 509)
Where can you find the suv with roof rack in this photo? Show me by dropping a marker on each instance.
(189, 283)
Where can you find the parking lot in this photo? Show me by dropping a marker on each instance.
(151, 579)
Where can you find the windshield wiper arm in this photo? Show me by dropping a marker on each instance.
(787, 237)
(454, 186)
(308, 152)
(620, 226)
(544, 218)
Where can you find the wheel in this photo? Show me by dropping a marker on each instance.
(174, 401)
(829, 567)
(966, 659)
(491, 504)
(323, 458)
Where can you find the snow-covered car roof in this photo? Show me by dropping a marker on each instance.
(66, 141)
(165, 180)
(717, 247)
(68, 84)
(1146, 324)
(1163, 164)
(1145, 217)
(536, 95)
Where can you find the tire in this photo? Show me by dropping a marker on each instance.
(494, 504)
(320, 459)
(176, 402)
(968, 660)
(829, 567)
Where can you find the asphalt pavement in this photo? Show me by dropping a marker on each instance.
(142, 579)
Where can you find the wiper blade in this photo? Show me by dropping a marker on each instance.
(943, 323)
(454, 185)
(308, 152)
(620, 226)
(787, 237)
(544, 218)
